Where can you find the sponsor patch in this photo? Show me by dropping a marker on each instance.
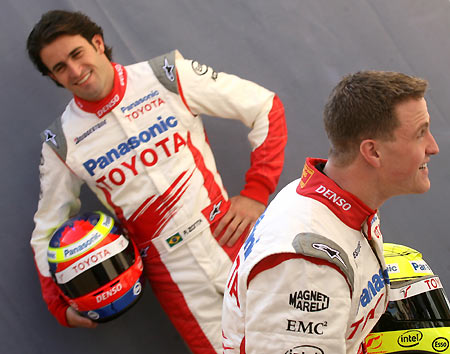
(309, 300)
(305, 349)
(332, 253)
(306, 328)
(374, 286)
(174, 240)
(202, 69)
(168, 69)
(83, 136)
(357, 250)
(420, 266)
(215, 211)
(410, 338)
(49, 136)
(440, 344)
(306, 175)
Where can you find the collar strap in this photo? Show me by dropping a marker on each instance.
(347, 207)
(108, 103)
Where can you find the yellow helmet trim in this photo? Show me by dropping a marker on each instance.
(433, 340)
(404, 262)
(92, 238)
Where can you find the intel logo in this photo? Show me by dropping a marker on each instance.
(410, 338)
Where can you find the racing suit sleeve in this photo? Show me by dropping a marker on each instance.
(227, 96)
(60, 190)
(294, 304)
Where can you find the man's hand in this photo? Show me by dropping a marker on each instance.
(76, 320)
(242, 215)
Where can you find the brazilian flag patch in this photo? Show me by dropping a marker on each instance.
(174, 239)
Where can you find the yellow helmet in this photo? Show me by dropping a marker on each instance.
(417, 319)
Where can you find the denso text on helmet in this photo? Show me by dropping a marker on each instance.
(108, 293)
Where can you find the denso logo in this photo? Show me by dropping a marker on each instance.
(132, 143)
(107, 107)
(119, 70)
(374, 286)
(410, 338)
(111, 292)
(336, 199)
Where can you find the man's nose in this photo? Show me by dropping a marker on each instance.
(74, 69)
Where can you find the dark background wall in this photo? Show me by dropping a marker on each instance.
(297, 48)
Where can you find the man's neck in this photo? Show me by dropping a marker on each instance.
(357, 178)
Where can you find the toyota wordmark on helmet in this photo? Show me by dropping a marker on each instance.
(96, 266)
(417, 319)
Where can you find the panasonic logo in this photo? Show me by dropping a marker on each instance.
(132, 143)
(72, 251)
(374, 286)
(139, 101)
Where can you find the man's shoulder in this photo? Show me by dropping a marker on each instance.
(54, 136)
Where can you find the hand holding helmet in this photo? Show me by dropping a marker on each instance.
(96, 267)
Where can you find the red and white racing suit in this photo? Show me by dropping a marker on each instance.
(144, 152)
(310, 277)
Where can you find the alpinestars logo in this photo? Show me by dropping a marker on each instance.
(168, 68)
(332, 253)
(49, 136)
(215, 211)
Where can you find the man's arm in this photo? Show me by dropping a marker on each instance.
(292, 302)
(228, 96)
(59, 200)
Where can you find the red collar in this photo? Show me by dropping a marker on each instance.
(347, 207)
(107, 104)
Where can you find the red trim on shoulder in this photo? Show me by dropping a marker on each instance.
(347, 207)
(242, 347)
(278, 258)
(107, 104)
(266, 161)
(180, 91)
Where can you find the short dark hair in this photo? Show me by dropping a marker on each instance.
(362, 106)
(56, 23)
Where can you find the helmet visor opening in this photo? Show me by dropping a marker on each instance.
(99, 275)
(425, 310)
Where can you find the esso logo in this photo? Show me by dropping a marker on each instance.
(440, 344)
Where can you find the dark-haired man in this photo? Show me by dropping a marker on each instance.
(311, 277)
(134, 135)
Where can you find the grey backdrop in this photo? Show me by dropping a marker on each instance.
(298, 48)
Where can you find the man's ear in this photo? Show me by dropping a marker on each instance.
(369, 150)
(97, 42)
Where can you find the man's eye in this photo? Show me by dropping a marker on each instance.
(59, 69)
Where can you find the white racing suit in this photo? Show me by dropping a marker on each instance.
(310, 277)
(144, 152)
